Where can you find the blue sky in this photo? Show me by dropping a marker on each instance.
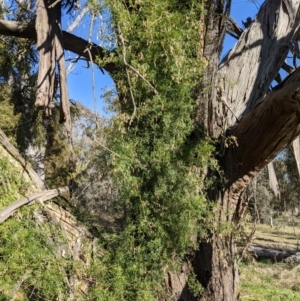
(80, 79)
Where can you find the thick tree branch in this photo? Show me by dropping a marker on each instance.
(270, 126)
(267, 129)
(71, 42)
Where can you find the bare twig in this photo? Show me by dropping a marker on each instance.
(54, 3)
(78, 19)
(132, 98)
(141, 76)
(134, 70)
(289, 69)
(93, 72)
(127, 74)
(107, 148)
(93, 87)
(91, 28)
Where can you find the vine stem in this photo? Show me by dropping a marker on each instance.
(127, 65)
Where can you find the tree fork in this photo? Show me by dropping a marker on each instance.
(265, 125)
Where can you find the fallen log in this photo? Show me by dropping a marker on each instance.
(273, 254)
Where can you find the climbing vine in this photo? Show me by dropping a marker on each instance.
(158, 160)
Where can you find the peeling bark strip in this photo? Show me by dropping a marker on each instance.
(41, 196)
(45, 28)
(50, 48)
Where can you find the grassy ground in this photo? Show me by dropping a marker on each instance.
(269, 282)
(266, 281)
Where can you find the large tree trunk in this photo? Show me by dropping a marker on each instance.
(255, 126)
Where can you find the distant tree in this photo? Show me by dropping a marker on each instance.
(261, 199)
(288, 179)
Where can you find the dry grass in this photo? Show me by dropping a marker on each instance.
(281, 236)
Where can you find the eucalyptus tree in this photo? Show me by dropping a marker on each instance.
(174, 100)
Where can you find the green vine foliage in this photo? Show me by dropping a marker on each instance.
(158, 161)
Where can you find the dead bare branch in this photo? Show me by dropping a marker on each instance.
(4, 141)
(54, 3)
(78, 19)
(40, 196)
(107, 149)
(286, 67)
(233, 29)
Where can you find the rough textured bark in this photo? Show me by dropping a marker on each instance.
(50, 48)
(64, 94)
(214, 33)
(245, 74)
